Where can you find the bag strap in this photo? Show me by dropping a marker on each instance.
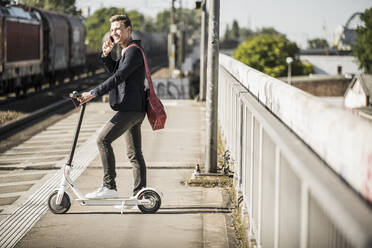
(148, 75)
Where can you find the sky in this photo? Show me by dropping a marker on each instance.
(299, 20)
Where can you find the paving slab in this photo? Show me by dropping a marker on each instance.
(188, 217)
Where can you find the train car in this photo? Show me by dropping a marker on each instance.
(155, 46)
(56, 45)
(65, 45)
(21, 50)
(77, 54)
(38, 45)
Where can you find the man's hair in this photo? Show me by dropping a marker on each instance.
(124, 19)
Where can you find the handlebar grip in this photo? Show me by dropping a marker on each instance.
(75, 94)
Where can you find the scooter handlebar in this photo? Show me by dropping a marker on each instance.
(75, 94)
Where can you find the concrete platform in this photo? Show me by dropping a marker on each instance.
(188, 217)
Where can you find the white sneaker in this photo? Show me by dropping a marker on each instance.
(102, 193)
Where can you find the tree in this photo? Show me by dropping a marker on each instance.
(149, 24)
(245, 33)
(227, 33)
(189, 21)
(61, 6)
(98, 25)
(162, 22)
(137, 19)
(317, 43)
(269, 31)
(268, 53)
(235, 31)
(362, 49)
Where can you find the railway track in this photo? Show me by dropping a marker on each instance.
(6, 99)
(38, 107)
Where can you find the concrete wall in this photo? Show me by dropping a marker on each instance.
(340, 138)
(321, 85)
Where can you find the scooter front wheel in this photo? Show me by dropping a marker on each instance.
(59, 209)
(154, 199)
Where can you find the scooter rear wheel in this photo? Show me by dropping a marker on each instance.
(155, 202)
(59, 209)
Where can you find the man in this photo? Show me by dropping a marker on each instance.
(127, 97)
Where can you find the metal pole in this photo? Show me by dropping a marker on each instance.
(203, 52)
(171, 42)
(77, 131)
(212, 86)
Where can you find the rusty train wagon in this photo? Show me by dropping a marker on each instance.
(38, 45)
(21, 49)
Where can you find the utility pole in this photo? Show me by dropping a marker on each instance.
(203, 52)
(180, 40)
(212, 86)
(171, 42)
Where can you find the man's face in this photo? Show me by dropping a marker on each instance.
(119, 32)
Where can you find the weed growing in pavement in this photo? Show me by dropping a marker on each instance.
(237, 220)
(225, 182)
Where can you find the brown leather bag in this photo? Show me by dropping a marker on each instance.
(155, 109)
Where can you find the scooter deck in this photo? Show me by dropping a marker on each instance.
(112, 201)
(127, 201)
(124, 198)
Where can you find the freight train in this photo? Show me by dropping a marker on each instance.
(39, 46)
(35, 45)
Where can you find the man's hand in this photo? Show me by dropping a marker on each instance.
(107, 47)
(85, 97)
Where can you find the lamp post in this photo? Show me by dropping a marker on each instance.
(289, 61)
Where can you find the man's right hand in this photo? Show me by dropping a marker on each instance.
(85, 97)
(107, 47)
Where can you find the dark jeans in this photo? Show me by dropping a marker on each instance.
(130, 124)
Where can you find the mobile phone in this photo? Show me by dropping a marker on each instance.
(112, 39)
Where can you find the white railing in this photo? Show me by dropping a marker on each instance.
(279, 138)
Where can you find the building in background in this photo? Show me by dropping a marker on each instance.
(339, 58)
(345, 35)
(331, 62)
(358, 95)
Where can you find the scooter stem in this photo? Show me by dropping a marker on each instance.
(77, 131)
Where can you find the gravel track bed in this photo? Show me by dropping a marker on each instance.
(24, 106)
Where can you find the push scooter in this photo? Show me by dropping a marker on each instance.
(148, 200)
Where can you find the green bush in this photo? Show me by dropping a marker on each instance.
(268, 52)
